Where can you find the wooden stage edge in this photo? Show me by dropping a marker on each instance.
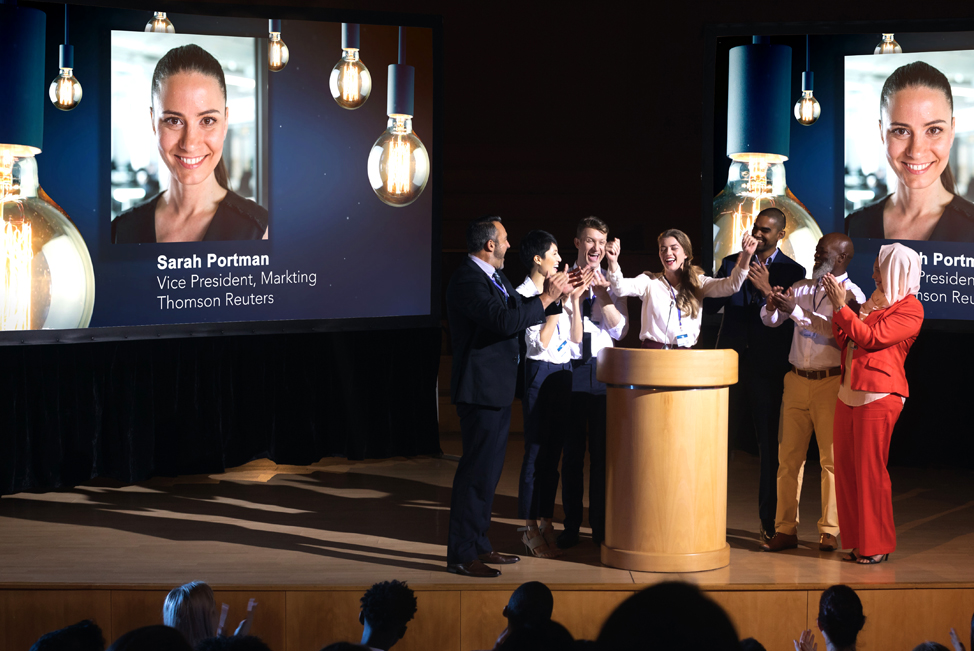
(466, 617)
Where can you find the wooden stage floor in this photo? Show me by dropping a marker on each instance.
(324, 532)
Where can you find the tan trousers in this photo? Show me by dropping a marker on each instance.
(806, 406)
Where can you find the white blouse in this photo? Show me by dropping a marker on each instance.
(559, 349)
(662, 320)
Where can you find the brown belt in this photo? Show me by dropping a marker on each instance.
(817, 375)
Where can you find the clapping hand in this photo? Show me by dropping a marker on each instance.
(748, 246)
(835, 292)
(759, 277)
(557, 285)
(585, 277)
(806, 642)
(783, 301)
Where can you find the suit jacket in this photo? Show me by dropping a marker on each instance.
(742, 329)
(484, 329)
(882, 342)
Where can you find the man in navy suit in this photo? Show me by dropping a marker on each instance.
(486, 317)
(762, 351)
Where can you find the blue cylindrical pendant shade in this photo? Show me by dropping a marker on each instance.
(22, 36)
(350, 36)
(401, 84)
(759, 100)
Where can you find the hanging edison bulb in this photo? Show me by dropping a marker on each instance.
(399, 165)
(758, 138)
(888, 46)
(277, 52)
(46, 276)
(160, 24)
(350, 82)
(807, 109)
(756, 182)
(65, 90)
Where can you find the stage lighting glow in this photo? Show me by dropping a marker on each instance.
(160, 24)
(46, 276)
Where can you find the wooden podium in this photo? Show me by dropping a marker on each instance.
(666, 458)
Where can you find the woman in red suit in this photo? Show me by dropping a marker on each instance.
(874, 345)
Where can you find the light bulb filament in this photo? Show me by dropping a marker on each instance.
(757, 179)
(808, 110)
(398, 176)
(65, 90)
(15, 275)
(350, 83)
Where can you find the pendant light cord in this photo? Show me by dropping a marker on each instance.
(402, 45)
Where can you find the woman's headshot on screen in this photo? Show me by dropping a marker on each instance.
(190, 122)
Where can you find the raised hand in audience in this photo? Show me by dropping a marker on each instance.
(955, 641)
(806, 642)
(244, 627)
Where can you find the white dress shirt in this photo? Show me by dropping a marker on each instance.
(661, 322)
(813, 348)
(602, 335)
(559, 349)
(487, 269)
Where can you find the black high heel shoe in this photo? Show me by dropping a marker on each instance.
(872, 560)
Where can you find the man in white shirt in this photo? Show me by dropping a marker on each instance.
(810, 389)
(604, 320)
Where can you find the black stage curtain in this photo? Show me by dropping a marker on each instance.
(129, 410)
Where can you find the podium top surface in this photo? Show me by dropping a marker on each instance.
(667, 368)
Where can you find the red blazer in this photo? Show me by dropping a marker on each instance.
(882, 342)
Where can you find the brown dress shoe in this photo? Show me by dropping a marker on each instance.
(473, 568)
(496, 558)
(780, 542)
(828, 543)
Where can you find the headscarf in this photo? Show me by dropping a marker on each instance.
(899, 267)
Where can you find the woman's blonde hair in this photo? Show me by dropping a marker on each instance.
(687, 298)
(190, 609)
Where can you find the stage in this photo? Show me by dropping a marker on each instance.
(307, 541)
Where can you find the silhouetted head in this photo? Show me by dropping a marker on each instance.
(233, 643)
(541, 636)
(152, 638)
(530, 604)
(191, 610)
(83, 636)
(386, 609)
(840, 615)
(669, 616)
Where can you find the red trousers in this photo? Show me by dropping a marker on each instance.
(861, 438)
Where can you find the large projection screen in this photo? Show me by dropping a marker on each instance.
(299, 240)
(846, 161)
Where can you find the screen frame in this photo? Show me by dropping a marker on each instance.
(433, 319)
(714, 31)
